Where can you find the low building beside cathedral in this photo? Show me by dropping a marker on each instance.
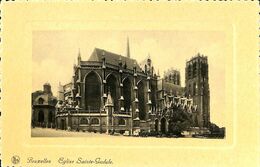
(114, 93)
(43, 107)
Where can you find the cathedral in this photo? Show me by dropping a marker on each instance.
(114, 93)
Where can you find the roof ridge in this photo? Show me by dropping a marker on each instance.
(114, 53)
(113, 58)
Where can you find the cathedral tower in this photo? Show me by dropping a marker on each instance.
(47, 88)
(197, 87)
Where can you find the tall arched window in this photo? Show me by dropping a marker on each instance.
(163, 125)
(41, 116)
(204, 70)
(141, 95)
(194, 69)
(92, 92)
(153, 96)
(127, 94)
(156, 125)
(112, 86)
(189, 72)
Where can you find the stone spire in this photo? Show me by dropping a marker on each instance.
(128, 49)
(149, 62)
(79, 57)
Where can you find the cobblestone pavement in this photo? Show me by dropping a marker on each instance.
(47, 132)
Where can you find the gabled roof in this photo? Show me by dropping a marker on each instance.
(112, 58)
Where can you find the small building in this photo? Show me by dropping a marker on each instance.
(43, 107)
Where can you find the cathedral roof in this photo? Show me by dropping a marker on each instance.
(113, 58)
(169, 87)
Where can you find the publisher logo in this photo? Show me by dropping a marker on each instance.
(15, 159)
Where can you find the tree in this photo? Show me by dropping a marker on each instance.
(216, 131)
(179, 121)
(214, 128)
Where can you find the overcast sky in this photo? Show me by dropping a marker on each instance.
(54, 53)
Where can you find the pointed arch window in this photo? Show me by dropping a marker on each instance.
(141, 94)
(127, 94)
(112, 86)
(93, 92)
(195, 69)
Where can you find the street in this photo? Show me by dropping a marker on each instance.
(47, 132)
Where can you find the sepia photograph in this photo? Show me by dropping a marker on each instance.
(128, 83)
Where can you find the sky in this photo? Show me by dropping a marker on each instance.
(55, 52)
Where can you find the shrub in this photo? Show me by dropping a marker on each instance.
(143, 134)
(153, 133)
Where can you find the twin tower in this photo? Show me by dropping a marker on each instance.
(197, 87)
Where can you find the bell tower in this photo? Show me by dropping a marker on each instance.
(47, 88)
(197, 87)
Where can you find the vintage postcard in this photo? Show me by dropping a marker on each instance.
(169, 83)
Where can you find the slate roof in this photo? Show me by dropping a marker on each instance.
(113, 58)
(170, 87)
